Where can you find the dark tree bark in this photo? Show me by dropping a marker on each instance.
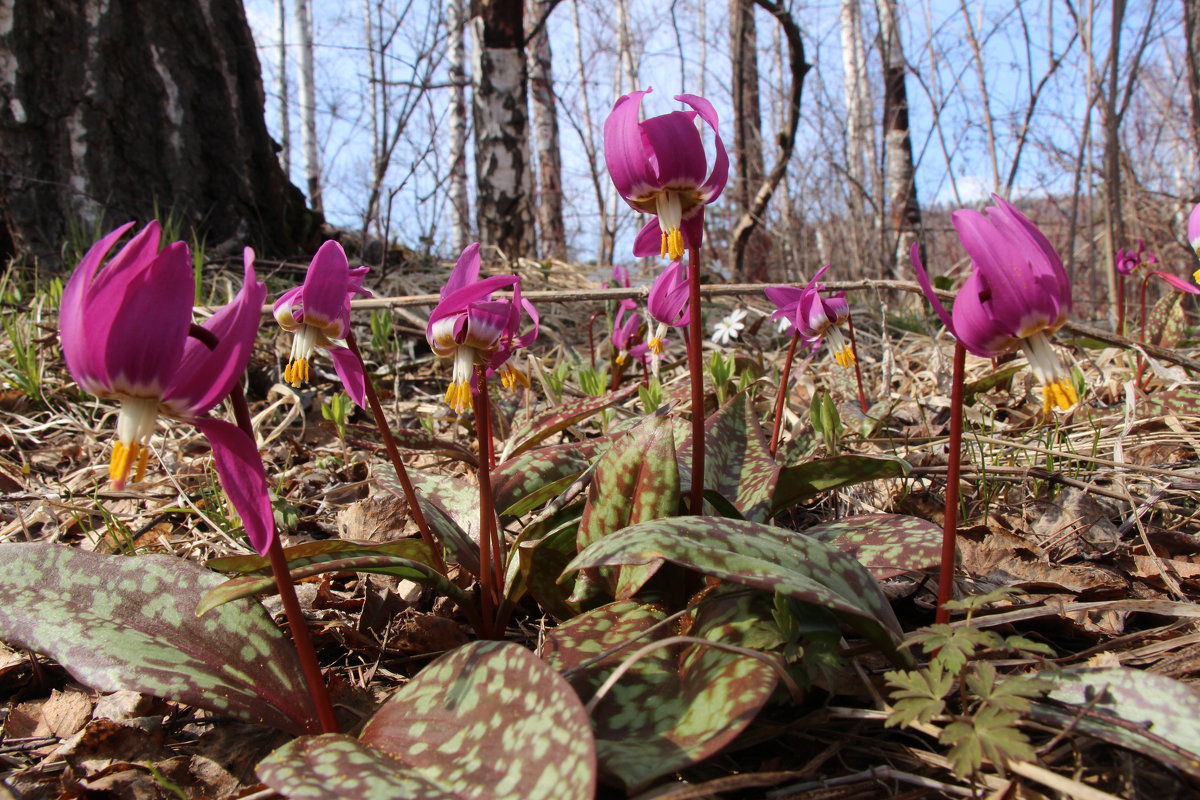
(747, 127)
(113, 109)
(898, 153)
(504, 191)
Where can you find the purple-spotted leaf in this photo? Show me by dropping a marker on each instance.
(530, 433)
(802, 481)
(451, 508)
(541, 564)
(489, 719)
(129, 623)
(1166, 323)
(886, 544)
(761, 556)
(374, 562)
(1172, 401)
(737, 463)
(300, 555)
(989, 382)
(335, 765)
(526, 474)
(1150, 714)
(676, 705)
(637, 479)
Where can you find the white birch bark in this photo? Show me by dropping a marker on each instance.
(308, 106)
(285, 124)
(460, 208)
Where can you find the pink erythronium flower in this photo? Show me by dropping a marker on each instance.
(667, 304)
(816, 318)
(318, 314)
(473, 329)
(659, 167)
(620, 276)
(625, 327)
(126, 335)
(1016, 296)
(1193, 234)
(1128, 261)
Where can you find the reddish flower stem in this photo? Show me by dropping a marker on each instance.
(291, 604)
(389, 442)
(1141, 366)
(490, 556)
(953, 470)
(592, 337)
(862, 396)
(696, 365)
(781, 398)
(1120, 304)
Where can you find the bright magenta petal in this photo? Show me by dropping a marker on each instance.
(325, 285)
(678, 152)
(79, 346)
(350, 372)
(648, 242)
(625, 148)
(1178, 282)
(719, 175)
(914, 253)
(241, 472)
(465, 272)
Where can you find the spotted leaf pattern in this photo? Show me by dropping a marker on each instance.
(523, 475)
(886, 544)
(336, 765)
(450, 506)
(528, 434)
(757, 555)
(1165, 322)
(129, 623)
(799, 482)
(676, 705)
(737, 463)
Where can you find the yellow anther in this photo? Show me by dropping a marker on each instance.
(845, 357)
(458, 396)
(143, 457)
(296, 372)
(1196, 274)
(511, 377)
(1059, 394)
(656, 345)
(662, 249)
(621, 358)
(122, 456)
(675, 244)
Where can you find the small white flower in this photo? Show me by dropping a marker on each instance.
(726, 330)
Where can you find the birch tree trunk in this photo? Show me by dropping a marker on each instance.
(285, 123)
(308, 106)
(504, 207)
(901, 186)
(545, 124)
(460, 206)
(860, 145)
(747, 126)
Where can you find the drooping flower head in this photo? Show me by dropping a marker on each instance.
(1128, 261)
(1193, 234)
(814, 317)
(473, 329)
(667, 304)
(318, 314)
(1016, 296)
(127, 334)
(659, 167)
(626, 325)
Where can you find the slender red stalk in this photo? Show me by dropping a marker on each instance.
(617, 369)
(953, 470)
(862, 396)
(696, 366)
(781, 398)
(291, 604)
(490, 556)
(1120, 304)
(389, 442)
(592, 337)
(1141, 367)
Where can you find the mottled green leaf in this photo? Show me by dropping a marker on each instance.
(802, 481)
(450, 506)
(988, 382)
(523, 475)
(359, 561)
(1166, 323)
(527, 434)
(542, 562)
(1172, 401)
(886, 544)
(637, 479)
(300, 555)
(737, 463)
(677, 704)
(335, 765)
(117, 622)
(490, 719)
(758, 555)
(1148, 713)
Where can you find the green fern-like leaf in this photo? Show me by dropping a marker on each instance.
(1020, 644)
(1009, 694)
(991, 733)
(918, 695)
(953, 646)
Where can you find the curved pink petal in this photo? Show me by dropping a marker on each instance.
(349, 370)
(325, 285)
(521, 304)
(465, 272)
(676, 150)
(1193, 228)
(460, 300)
(235, 455)
(78, 347)
(668, 299)
(692, 227)
(625, 149)
(1178, 282)
(719, 175)
(976, 326)
(648, 242)
(914, 253)
(206, 376)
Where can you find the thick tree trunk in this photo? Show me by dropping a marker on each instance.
(460, 207)
(308, 106)
(504, 210)
(898, 153)
(860, 141)
(747, 127)
(111, 109)
(551, 232)
(281, 82)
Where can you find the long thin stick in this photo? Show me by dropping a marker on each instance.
(389, 442)
(287, 593)
(696, 365)
(953, 469)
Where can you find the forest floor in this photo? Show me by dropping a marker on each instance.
(1091, 515)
